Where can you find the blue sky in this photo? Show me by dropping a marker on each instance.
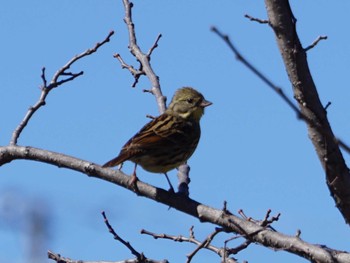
(253, 153)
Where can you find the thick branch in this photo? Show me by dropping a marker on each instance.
(231, 223)
(337, 173)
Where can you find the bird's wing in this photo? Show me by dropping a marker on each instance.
(158, 132)
(154, 134)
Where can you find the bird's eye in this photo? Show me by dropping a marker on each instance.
(190, 101)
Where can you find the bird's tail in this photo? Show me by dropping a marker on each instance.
(116, 161)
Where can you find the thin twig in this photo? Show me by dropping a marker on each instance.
(266, 222)
(137, 73)
(204, 244)
(144, 59)
(155, 45)
(261, 21)
(343, 145)
(239, 248)
(62, 71)
(191, 239)
(327, 105)
(268, 82)
(54, 83)
(250, 66)
(140, 256)
(313, 44)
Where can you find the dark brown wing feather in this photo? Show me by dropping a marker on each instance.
(163, 131)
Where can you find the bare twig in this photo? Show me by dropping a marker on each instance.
(260, 75)
(266, 222)
(239, 248)
(155, 45)
(140, 256)
(327, 105)
(143, 59)
(206, 243)
(137, 73)
(343, 145)
(313, 44)
(261, 21)
(268, 82)
(54, 83)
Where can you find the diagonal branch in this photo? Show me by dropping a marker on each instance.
(259, 74)
(320, 132)
(314, 44)
(140, 256)
(231, 223)
(310, 109)
(54, 83)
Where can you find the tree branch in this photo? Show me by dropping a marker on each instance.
(206, 244)
(59, 259)
(314, 44)
(140, 257)
(326, 145)
(146, 69)
(144, 59)
(310, 108)
(54, 83)
(231, 223)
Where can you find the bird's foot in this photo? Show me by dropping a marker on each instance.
(133, 183)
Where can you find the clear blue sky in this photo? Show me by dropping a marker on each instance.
(253, 153)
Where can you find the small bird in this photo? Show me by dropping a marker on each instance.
(168, 140)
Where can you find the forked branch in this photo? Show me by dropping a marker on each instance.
(54, 83)
(309, 109)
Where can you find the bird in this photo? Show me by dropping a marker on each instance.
(168, 140)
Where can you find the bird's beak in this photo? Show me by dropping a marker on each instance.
(205, 103)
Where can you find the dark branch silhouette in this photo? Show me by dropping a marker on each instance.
(310, 108)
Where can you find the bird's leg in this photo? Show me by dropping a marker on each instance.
(134, 179)
(171, 187)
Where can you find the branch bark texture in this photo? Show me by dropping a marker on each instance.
(283, 22)
(250, 230)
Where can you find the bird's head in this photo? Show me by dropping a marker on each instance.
(188, 104)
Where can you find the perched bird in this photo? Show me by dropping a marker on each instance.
(168, 140)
